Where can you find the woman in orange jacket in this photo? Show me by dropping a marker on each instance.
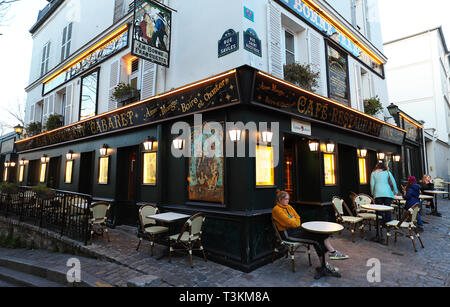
(288, 223)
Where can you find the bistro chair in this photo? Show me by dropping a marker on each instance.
(190, 234)
(97, 220)
(148, 229)
(290, 247)
(407, 226)
(369, 216)
(339, 205)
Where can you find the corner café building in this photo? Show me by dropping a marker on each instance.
(236, 193)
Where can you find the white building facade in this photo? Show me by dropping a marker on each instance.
(308, 32)
(419, 83)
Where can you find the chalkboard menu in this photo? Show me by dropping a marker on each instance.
(337, 76)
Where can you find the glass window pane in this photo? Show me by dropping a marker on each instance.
(69, 168)
(289, 42)
(42, 174)
(329, 169)
(21, 169)
(89, 96)
(264, 166)
(103, 171)
(149, 176)
(362, 171)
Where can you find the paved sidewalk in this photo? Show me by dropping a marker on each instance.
(400, 265)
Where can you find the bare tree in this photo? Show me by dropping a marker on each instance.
(14, 115)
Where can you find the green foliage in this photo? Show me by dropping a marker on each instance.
(9, 187)
(33, 128)
(120, 90)
(54, 121)
(43, 191)
(372, 106)
(302, 75)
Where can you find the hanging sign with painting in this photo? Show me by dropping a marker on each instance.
(152, 32)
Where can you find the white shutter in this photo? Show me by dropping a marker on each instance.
(316, 56)
(148, 80)
(359, 99)
(51, 106)
(31, 116)
(114, 78)
(275, 48)
(68, 110)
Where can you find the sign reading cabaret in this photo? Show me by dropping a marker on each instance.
(108, 47)
(152, 31)
(217, 92)
(319, 22)
(278, 95)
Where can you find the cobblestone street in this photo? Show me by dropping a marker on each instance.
(400, 265)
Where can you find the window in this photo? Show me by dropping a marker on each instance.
(329, 169)
(289, 47)
(103, 170)
(5, 174)
(69, 170)
(66, 40)
(265, 175)
(42, 173)
(362, 171)
(21, 170)
(149, 176)
(88, 104)
(45, 58)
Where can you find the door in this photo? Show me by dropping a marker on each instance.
(348, 171)
(86, 172)
(53, 173)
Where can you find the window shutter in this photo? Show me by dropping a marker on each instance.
(68, 110)
(359, 98)
(114, 78)
(148, 80)
(63, 44)
(118, 10)
(47, 59)
(31, 115)
(316, 57)
(275, 49)
(51, 104)
(45, 111)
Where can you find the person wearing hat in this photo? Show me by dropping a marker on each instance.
(411, 194)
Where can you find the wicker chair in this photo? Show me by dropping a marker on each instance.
(406, 226)
(190, 234)
(291, 247)
(368, 216)
(148, 229)
(354, 221)
(98, 215)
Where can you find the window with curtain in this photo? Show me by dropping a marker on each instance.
(149, 168)
(21, 171)
(103, 170)
(42, 173)
(69, 170)
(362, 171)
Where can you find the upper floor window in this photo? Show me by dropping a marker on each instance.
(89, 87)
(45, 58)
(66, 40)
(289, 43)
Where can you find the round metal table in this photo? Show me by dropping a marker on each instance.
(378, 208)
(435, 192)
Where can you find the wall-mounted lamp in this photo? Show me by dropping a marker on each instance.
(235, 135)
(148, 144)
(69, 155)
(330, 147)
(381, 155)
(396, 158)
(178, 143)
(362, 153)
(104, 150)
(12, 164)
(18, 129)
(45, 159)
(314, 146)
(266, 136)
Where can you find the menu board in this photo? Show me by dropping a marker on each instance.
(338, 76)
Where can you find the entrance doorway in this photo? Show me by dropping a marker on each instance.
(349, 171)
(53, 172)
(86, 172)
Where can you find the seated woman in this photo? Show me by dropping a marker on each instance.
(288, 224)
(427, 184)
(411, 194)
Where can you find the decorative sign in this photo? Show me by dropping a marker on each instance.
(248, 13)
(152, 32)
(215, 92)
(205, 173)
(307, 13)
(228, 43)
(276, 94)
(252, 43)
(413, 131)
(337, 72)
(106, 49)
(301, 127)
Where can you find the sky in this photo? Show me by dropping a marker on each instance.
(399, 18)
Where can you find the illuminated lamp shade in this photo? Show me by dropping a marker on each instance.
(330, 147)
(267, 136)
(235, 135)
(18, 129)
(103, 150)
(45, 159)
(21, 162)
(12, 164)
(381, 155)
(69, 155)
(397, 158)
(314, 146)
(6, 164)
(148, 144)
(362, 153)
(178, 143)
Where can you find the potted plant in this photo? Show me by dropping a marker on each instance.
(302, 75)
(372, 106)
(54, 121)
(43, 192)
(33, 128)
(9, 188)
(124, 93)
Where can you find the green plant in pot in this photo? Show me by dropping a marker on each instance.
(124, 92)
(33, 128)
(54, 121)
(372, 106)
(302, 75)
(43, 192)
(9, 188)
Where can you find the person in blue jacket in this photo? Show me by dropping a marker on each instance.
(383, 188)
(411, 194)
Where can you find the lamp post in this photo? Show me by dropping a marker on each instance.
(18, 130)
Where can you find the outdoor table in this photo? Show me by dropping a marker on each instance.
(378, 208)
(169, 218)
(435, 212)
(322, 228)
(448, 189)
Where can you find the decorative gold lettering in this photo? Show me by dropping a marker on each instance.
(124, 120)
(117, 121)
